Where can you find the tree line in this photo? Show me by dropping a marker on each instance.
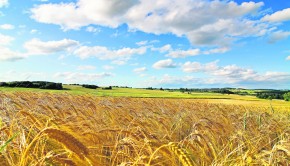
(33, 84)
(260, 93)
(282, 95)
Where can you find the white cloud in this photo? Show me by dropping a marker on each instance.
(203, 22)
(142, 43)
(279, 16)
(217, 50)
(119, 62)
(224, 31)
(118, 56)
(107, 67)
(33, 31)
(81, 77)
(7, 54)
(233, 73)
(277, 36)
(183, 53)
(86, 67)
(146, 42)
(7, 26)
(36, 46)
(12, 75)
(3, 3)
(190, 52)
(83, 13)
(245, 77)
(288, 58)
(167, 63)
(162, 49)
(140, 70)
(5, 40)
(93, 29)
(198, 67)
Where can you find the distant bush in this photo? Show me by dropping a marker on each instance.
(33, 84)
(287, 96)
(3, 84)
(51, 85)
(211, 90)
(90, 86)
(107, 88)
(271, 95)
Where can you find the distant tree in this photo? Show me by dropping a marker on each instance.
(287, 96)
(33, 84)
(107, 88)
(90, 86)
(3, 84)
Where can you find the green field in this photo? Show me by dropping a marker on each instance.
(145, 93)
(132, 92)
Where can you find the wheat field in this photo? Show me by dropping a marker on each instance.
(65, 129)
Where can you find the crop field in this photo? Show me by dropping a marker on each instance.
(67, 129)
(131, 92)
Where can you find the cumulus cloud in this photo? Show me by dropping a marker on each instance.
(140, 70)
(93, 29)
(13, 75)
(86, 67)
(81, 77)
(167, 63)
(7, 54)
(7, 27)
(277, 36)
(233, 73)
(142, 43)
(146, 42)
(255, 80)
(108, 67)
(217, 50)
(36, 46)
(189, 52)
(279, 16)
(34, 31)
(190, 67)
(83, 12)
(5, 40)
(119, 56)
(183, 53)
(120, 62)
(3, 3)
(162, 49)
(203, 22)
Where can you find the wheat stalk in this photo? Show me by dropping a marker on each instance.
(181, 153)
(68, 141)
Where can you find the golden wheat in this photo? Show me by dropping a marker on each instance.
(64, 129)
(68, 141)
(181, 153)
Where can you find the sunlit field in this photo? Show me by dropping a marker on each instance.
(132, 92)
(46, 128)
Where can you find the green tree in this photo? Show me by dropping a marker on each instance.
(287, 96)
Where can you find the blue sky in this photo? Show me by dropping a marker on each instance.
(142, 43)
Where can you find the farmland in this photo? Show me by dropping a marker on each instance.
(132, 92)
(77, 127)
